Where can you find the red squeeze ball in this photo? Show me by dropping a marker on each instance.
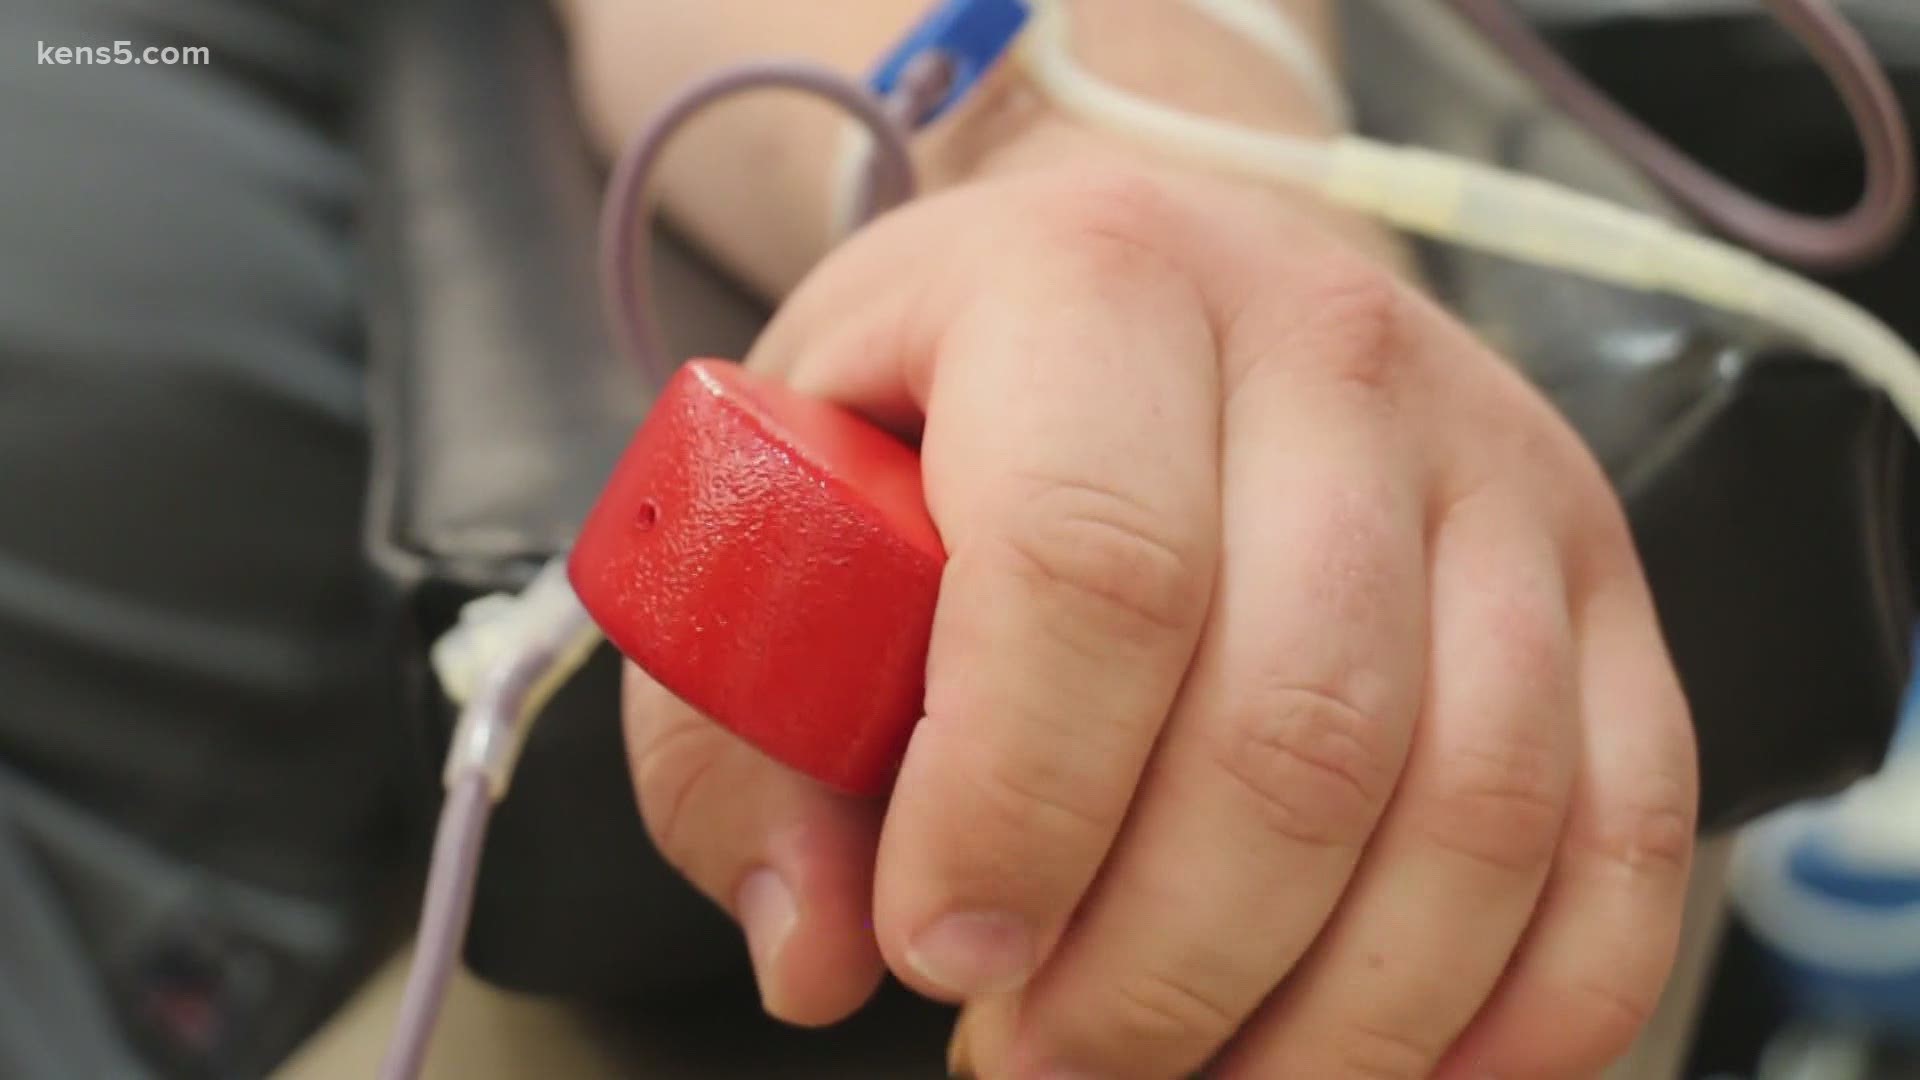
(768, 558)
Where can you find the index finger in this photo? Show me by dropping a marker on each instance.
(1070, 460)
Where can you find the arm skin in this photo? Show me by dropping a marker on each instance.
(751, 182)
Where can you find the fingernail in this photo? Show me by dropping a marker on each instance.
(767, 914)
(973, 953)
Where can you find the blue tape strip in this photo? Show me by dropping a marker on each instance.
(972, 33)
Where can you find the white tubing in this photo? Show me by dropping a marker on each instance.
(1464, 202)
(1489, 209)
(501, 662)
(1045, 51)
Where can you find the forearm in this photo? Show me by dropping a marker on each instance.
(752, 182)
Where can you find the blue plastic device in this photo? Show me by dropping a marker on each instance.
(1800, 888)
(971, 33)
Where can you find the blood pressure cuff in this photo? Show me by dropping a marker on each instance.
(1766, 490)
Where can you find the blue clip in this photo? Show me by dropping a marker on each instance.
(971, 33)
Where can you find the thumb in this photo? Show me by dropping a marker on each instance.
(789, 859)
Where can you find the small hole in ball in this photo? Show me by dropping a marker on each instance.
(648, 515)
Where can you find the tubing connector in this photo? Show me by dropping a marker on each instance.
(502, 661)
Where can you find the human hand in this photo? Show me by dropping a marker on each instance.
(1295, 702)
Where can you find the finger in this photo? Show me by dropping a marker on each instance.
(1070, 462)
(1451, 878)
(860, 332)
(790, 859)
(1592, 966)
(1283, 749)
(980, 1034)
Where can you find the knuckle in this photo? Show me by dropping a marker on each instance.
(669, 770)
(1338, 321)
(1033, 837)
(1363, 323)
(1651, 835)
(1318, 770)
(1611, 1017)
(1595, 1024)
(1500, 805)
(1111, 213)
(1107, 561)
(1369, 1052)
(1165, 1018)
(1023, 803)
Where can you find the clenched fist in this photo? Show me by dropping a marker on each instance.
(1295, 703)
